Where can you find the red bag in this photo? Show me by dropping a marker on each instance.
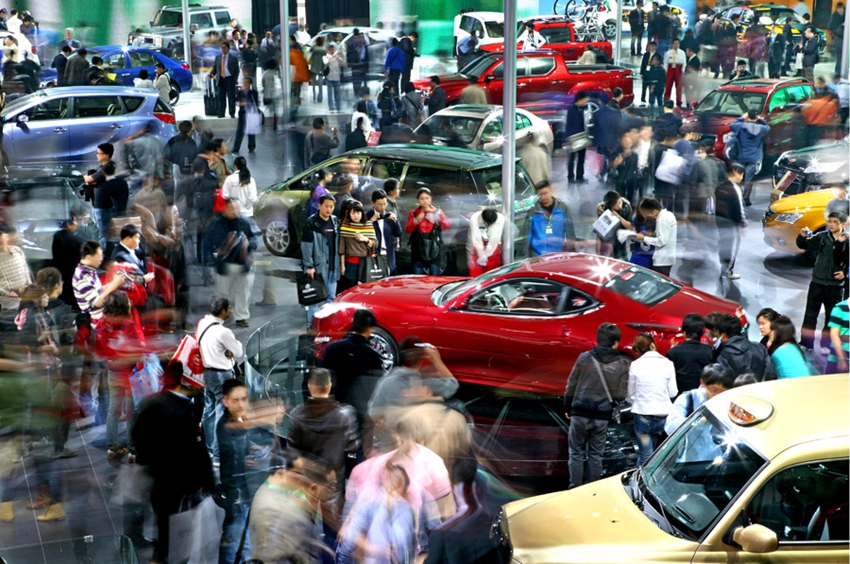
(189, 353)
(137, 293)
(373, 139)
(218, 203)
(162, 283)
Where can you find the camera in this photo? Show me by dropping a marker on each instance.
(385, 215)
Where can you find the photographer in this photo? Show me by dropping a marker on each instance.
(387, 227)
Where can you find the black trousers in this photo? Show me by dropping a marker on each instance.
(240, 134)
(818, 295)
(395, 76)
(227, 95)
(637, 38)
(576, 158)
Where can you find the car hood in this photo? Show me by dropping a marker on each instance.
(597, 519)
(712, 125)
(803, 202)
(830, 159)
(398, 292)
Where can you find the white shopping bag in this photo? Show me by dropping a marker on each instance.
(195, 535)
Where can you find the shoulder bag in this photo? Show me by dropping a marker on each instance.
(615, 405)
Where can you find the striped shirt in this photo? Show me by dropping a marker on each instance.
(87, 288)
(840, 318)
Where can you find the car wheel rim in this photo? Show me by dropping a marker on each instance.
(277, 236)
(380, 345)
(610, 30)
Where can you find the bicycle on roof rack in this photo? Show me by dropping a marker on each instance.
(585, 14)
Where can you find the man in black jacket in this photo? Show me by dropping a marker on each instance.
(691, 356)
(637, 27)
(387, 227)
(731, 219)
(828, 274)
(437, 98)
(651, 48)
(408, 45)
(739, 354)
(810, 48)
(67, 252)
(352, 359)
(598, 374)
(59, 63)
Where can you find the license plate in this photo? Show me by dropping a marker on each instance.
(785, 181)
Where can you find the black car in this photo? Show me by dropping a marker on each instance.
(811, 168)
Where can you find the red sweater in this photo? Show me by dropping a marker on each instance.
(426, 225)
(121, 342)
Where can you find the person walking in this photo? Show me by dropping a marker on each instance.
(636, 17)
(318, 144)
(574, 126)
(233, 241)
(179, 153)
(334, 63)
(749, 130)
(552, 229)
(316, 60)
(472, 93)
(320, 249)
(674, 62)
(483, 243)
(224, 72)
(665, 238)
(598, 380)
(301, 76)
(690, 357)
(250, 58)
(162, 83)
(242, 187)
(828, 275)
(652, 385)
(731, 219)
(248, 102)
(536, 159)
(425, 224)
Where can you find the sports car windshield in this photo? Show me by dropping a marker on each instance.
(643, 286)
(728, 103)
(452, 290)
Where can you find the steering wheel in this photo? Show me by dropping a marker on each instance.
(496, 301)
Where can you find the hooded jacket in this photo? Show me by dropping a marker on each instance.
(749, 138)
(315, 251)
(741, 356)
(585, 394)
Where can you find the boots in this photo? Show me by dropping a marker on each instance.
(54, 513)
(7, 515)
(43, 498)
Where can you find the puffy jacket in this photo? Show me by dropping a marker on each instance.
(585, 394)
(314, 248)
(560, 229)
(749, 136)
(575, 120)
(741, 356)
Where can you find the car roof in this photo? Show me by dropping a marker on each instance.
(350, 29)
(472, 110)
(193, 7)
(804, 410)
(428, 154)
(760, 84)
(579, 266)
(496, 16)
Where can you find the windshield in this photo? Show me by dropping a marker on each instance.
(777, 15)
(731, 103)
(477, 67)
(697, 473)
(168, 19)
(643, 286)
(495, 30)
(446, 126)
(450, 291)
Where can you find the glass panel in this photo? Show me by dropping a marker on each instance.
(541, 66)
(116, 61)
(222, 18)
(97, 106)
(51, 109)
(133, 103)
(643, 286)
(140, 59)
(524, 297)
(201, 20)
(778, 100)
(557, 34)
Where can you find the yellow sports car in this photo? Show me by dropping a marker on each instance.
(785, 218)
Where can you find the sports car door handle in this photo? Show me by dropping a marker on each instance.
(557, 82)
(60, 129)
(116, 126)
(522, 84)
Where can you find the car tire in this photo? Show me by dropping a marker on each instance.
(384, 344)
(279, 237)
(609, 30)
(174, 96)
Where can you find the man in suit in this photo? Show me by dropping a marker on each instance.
(69, 40)
(437, 99)
(60, 61)
(225, 71)
(636, 24)
(75, 67)
(387, 227)
(408, 45)
(127, 251)
(67, 252)
(651, 47)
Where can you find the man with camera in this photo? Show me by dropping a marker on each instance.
(387, 227)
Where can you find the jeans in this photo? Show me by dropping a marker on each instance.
(330, 284)
(648, 430)
(334, 95)
(213, 408)
(120, 401)
(102, 218)
(749, 174)
(431, 268)
(656, 99)
(587, 439)
(240, 283)
(235, 521)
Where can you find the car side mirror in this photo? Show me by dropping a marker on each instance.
(757, 539)
(489, 77)
(22, 119)
(488, 139)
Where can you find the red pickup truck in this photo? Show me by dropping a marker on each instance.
(544, 80)
(560, 35)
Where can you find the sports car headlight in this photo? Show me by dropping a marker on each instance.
(791, 218)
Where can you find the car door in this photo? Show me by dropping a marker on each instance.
(142, 60)
(492, 82)
(524, 130)
(40, 133)
(118, 69)
(97, 119)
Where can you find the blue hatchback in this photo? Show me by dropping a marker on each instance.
(123, 63)
(65, 125)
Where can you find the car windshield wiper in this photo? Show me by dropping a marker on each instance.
(671, 529)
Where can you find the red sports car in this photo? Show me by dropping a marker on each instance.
(523, 325)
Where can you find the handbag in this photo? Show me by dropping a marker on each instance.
(615, 405)
(218, 202)
(311, 291)
(428, 244)
(146, 378)
(326, 70)
(372, 267)
(578, 141)
(253, 122)
(373, 139)
(671, 166)
(195, 533)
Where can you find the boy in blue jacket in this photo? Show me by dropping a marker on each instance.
(551, 229)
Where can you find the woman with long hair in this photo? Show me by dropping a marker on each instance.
(787, 357)
(357, 239)
(240, 186)
(361, 110)
(323, 178)
(425, 224)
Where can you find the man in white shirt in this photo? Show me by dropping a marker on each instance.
(530, 40)
(483, 241)
(674, 61)
(219, 347)
(13, 24)
(665, 237)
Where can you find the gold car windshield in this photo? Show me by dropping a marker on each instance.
(697, 473)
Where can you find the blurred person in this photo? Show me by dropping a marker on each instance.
(483, 242)
(315, 58)
(218, 351)
(810, 47)
(645, 149)
(472, 93)
(320, 249)
(605, 130)
(143, 80)
(357, 240)
(425, 224)
(74, 68)
(775, 60)
(764, 318)
(324, 177)
(301, 75)
(667, 125)
(726, 37)
(250, 57)
(272, 90)
(224, 72)
(15, 273)
(121, 343)
(636, 25)
(652, 384)
(94, 74)
(180, 151)
(785, 353)
(325, 429)
(597, 375)
(69, 40)
(731, 219)
(142, 159)
(357, 59)
(757, 51)
(467, 50)
(353, 363)
(408, 45)
(170, 448)
(66, 249)
(394, 64)
(389, 104)
(839, 335)
(749, 131)
(674, 62)
(200, 135)
(215, 154)
(335, 64)
(646, 59)
(704, 178)
(830, 270)
(411, 104)
(622, 211)
(361, 111)
(665, 238)
(248, 102)
(88, 290)
(820, 85)
(691, 356)
(344, 194)
(387, 226)
(284, 524)
(536, 159)
(739, 354)
(575, 124)
(623, 169)
(820, 116)
(841, 87)
(318, 144)
(552, 229)
(690, 80)
(242, 187)
(59, 63)
(836, 29)
(715, 379)
(110, 199)
(234, 241)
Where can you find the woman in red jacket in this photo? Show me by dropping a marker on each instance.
(119, 340)
(426, 241)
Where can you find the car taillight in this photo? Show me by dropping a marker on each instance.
(165, 118)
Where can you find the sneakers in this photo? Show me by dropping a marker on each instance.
(66, 453)
(729, 275)
(243, 323)
(116, 453)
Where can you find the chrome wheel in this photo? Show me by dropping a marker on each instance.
(383, 343)
(277, 237)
